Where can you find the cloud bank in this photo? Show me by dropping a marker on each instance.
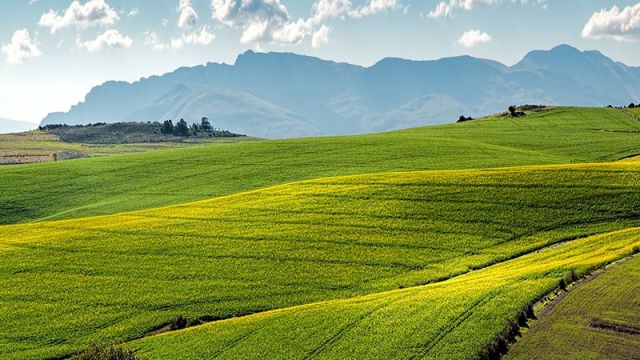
(269, 20)
(446, 9)
(91, 13)
(110, 39)
(20, 48)
(616, 24)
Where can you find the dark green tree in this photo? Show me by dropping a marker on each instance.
(195, 129)
(181, 128)
(167, 127)
(205, 125)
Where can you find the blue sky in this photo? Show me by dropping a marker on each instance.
(54, 51)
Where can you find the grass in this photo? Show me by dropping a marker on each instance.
(39, 146)
(67, 284)
(118, 183)
(446, 320)
(582, 325)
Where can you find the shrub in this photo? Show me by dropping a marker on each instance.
(529, 312)
(111, 352)
(563, 284)
(514, 113)
(529, 107)
(632, 105)
(180, 322)
(522, 319)
(571, 277)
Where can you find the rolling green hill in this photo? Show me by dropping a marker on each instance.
(67, 284)
(130, 182)
(448, 320)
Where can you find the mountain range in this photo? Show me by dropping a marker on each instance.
(276, 95)
(12, 126)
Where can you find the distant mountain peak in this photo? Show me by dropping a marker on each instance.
(566, 48)
(279, 94)
(559, 57)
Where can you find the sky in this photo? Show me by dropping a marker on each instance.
(54, 51)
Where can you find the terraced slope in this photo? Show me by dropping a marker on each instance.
(597, 320)
(130, 182)
(447, 320)
(67, 284)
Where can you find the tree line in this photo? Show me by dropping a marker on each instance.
(181, 128)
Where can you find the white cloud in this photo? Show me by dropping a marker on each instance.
(260, 20)
(320, 36)
(442, 10)
(153, 40)
(269, 20)
(21, 47)
(93, 12)
(446, 8)
(472, 38)
(133, 12)
(110, 39)
(374, 7)
(616, 24)
(202, 37)
(330, 9)
(188, 16)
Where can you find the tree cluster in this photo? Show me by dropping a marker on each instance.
(514, 113)
(630, 106)
(181, 128)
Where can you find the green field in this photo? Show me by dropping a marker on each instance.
(111, 184)
(582, 325)
(419, 243)
(447, 320)
(122, 275)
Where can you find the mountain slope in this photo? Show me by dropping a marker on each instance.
(307, 96)
(11, 126)
(241, 111)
